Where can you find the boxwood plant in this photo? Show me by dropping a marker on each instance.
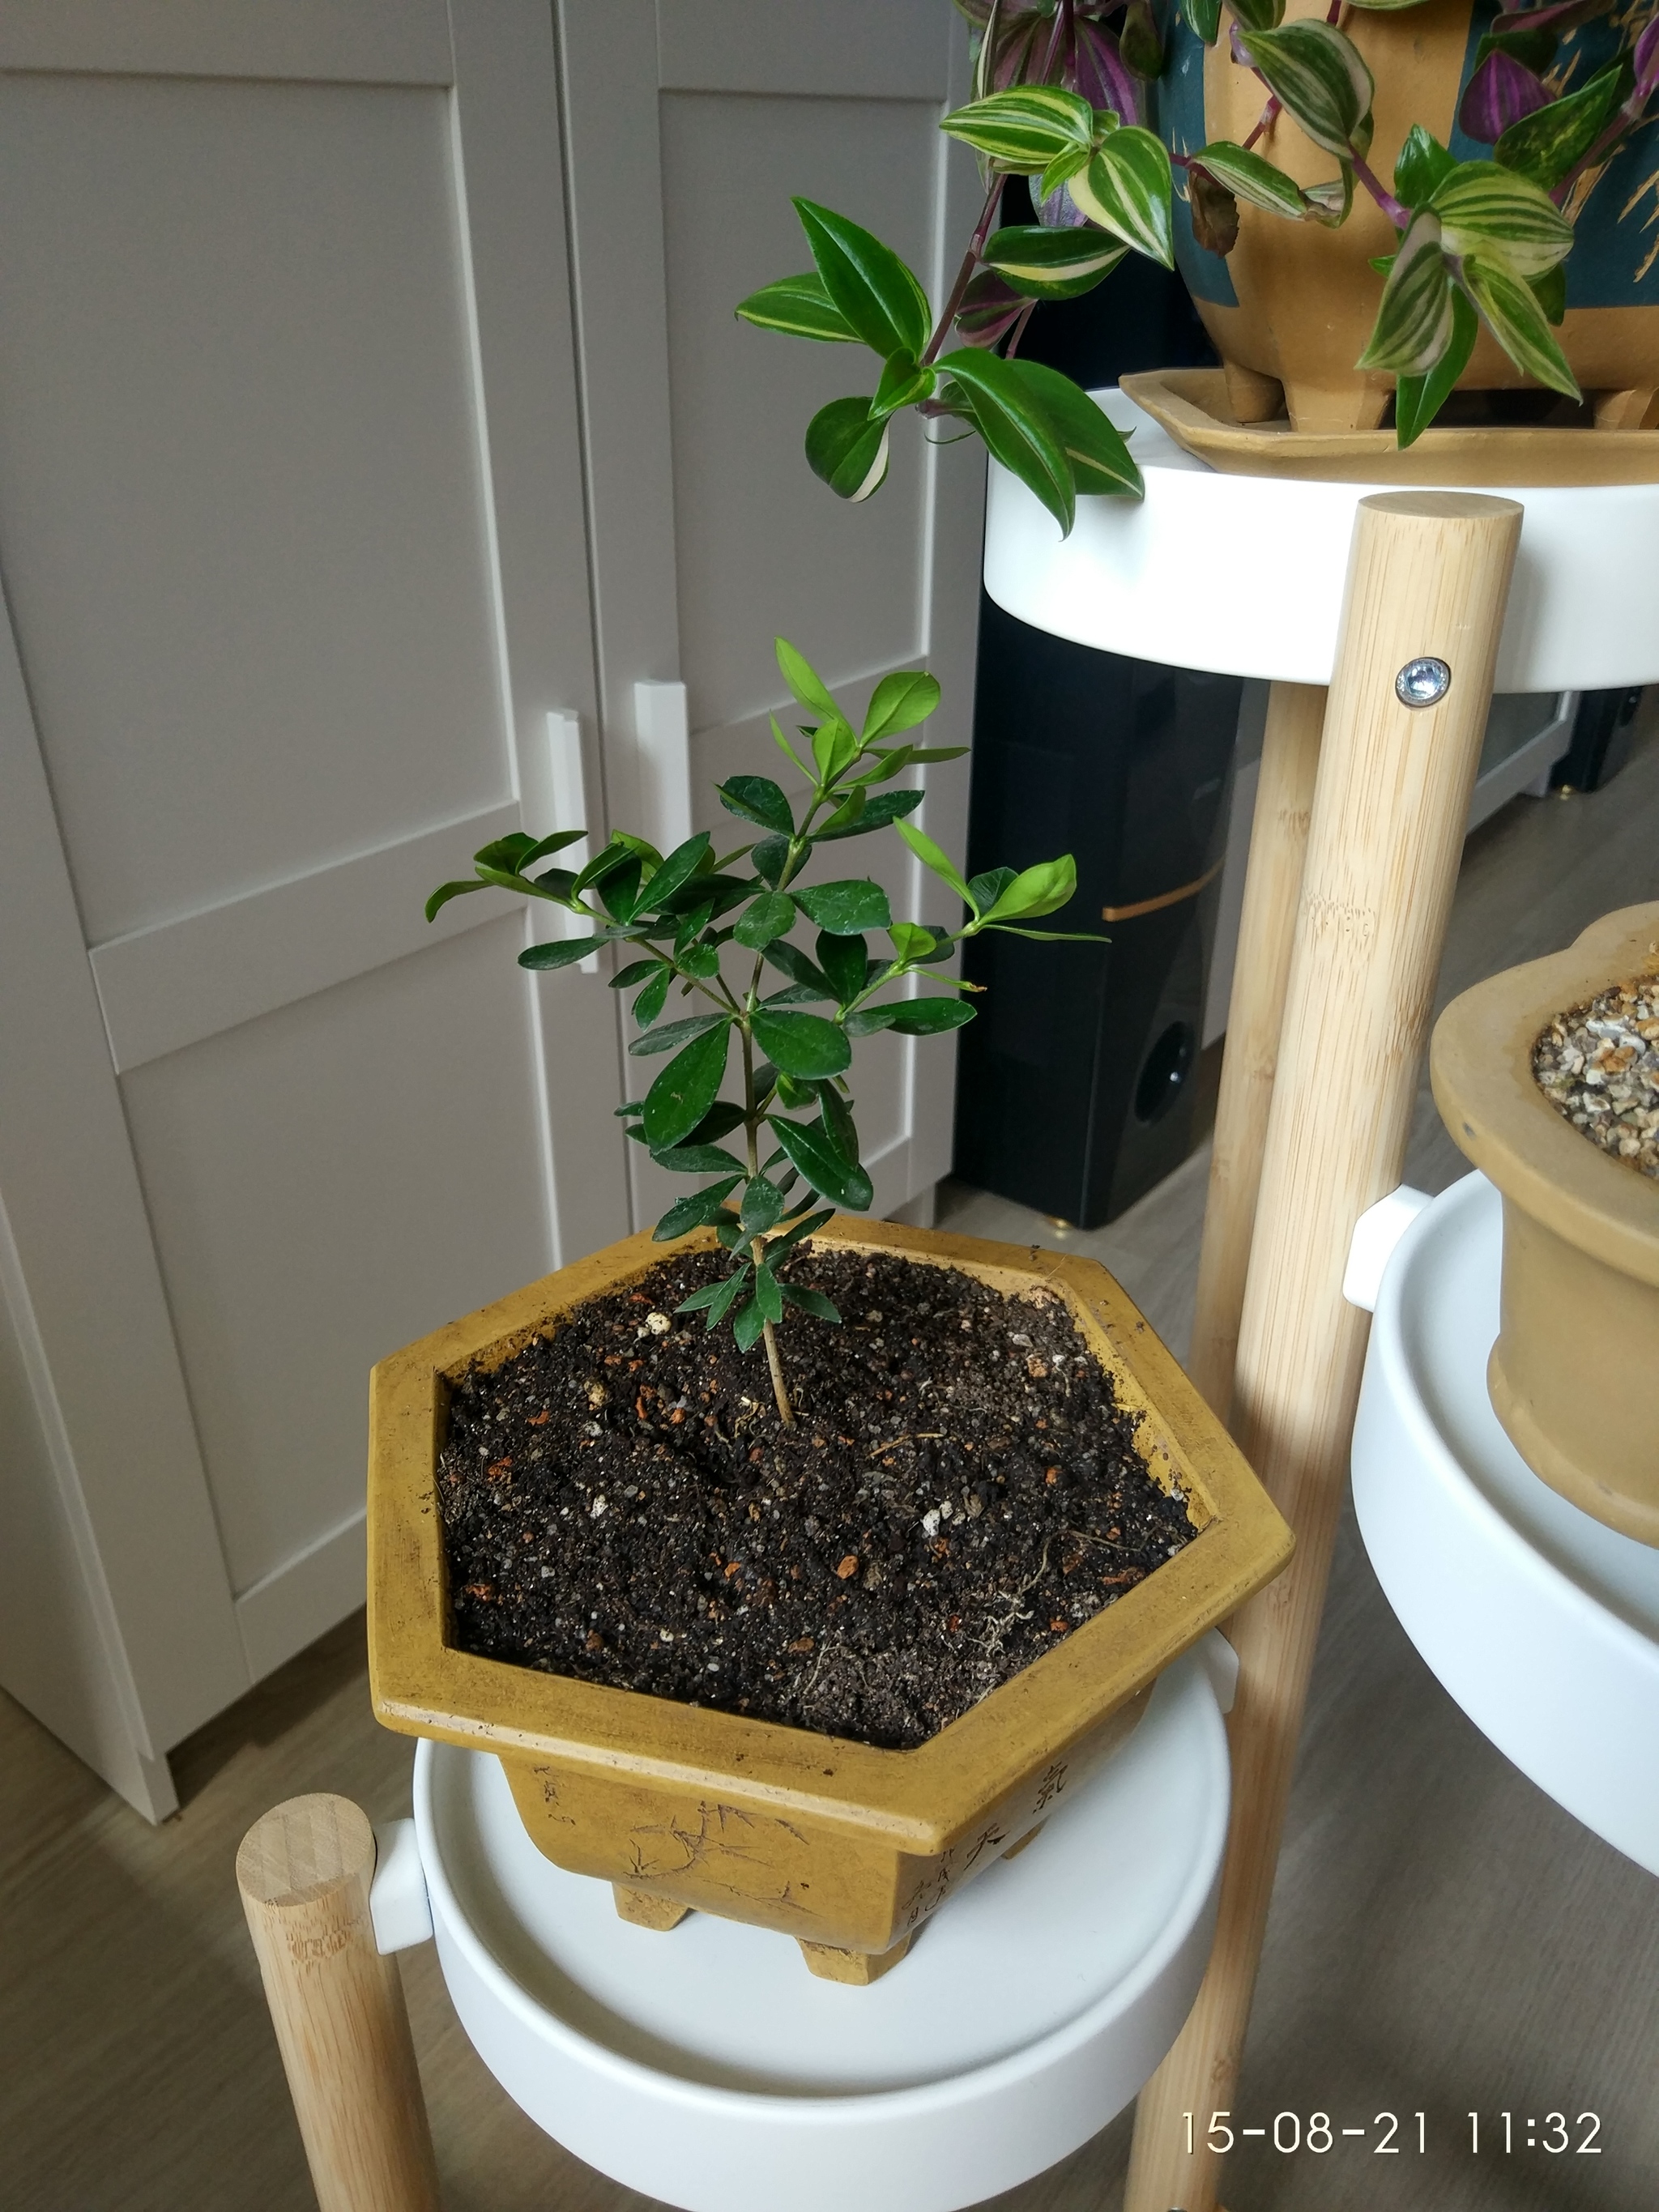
(1064, 91)
(688, 925)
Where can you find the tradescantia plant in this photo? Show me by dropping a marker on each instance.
(1062, 97)
(701, 927)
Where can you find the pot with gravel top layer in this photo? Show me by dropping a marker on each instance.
(1547, 1077)
(682, 1801)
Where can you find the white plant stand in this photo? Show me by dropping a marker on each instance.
(1542, 1623)
(705, 2066)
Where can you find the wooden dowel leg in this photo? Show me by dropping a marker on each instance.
(1267, 928)
(1428, 576)
(337, 2007)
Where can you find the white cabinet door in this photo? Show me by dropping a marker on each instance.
(689, 125)
(292, 538)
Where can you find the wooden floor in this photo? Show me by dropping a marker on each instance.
(1443, 1938)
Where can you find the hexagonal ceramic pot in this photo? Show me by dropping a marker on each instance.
(845, 1847)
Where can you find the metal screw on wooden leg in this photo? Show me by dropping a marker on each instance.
(337, 2007)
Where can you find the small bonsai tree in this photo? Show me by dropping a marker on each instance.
(700, 927)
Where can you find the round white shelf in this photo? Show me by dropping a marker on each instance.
(706, 2067)
(1542, 1623)
(1244, 575)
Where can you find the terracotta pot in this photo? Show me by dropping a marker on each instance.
(1573, 1373)
(1293, 303)
(842, 1846)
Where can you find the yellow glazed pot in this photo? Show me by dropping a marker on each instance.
(1293, 304)
(844, 1847)
(1574, 1375)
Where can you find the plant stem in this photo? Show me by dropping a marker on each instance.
(1264, 121)
(964, 275)
(757, 1248)
(1396, 210)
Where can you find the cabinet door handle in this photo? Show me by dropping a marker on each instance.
(569, 782)
(662, 733)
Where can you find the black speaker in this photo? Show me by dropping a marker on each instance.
(1075, 1087)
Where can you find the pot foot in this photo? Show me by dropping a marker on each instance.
(1627, 411)
(859, 1968)
(1030, 1836)
(643, 1909)
(1253, 397)
(1345, 407)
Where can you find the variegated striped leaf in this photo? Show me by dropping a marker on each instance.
(1501, 216)
(1017, 430)
(878, 296)
(1249, 178)
(1321, 78)
(1023, 130)
(1100, 459)
(1414, 322)
(1128, 188)
(1514, 318)
(801, 307)
(1052, 265)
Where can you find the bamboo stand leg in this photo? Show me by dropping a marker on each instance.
(337, 2007)
(1267, 926)
(1429, 575)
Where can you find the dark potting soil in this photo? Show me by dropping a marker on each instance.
(621, 1502)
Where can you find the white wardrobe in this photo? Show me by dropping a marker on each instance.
(380, 465)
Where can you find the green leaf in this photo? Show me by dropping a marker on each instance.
(791, 961)
(698, 1159)
(844, 960)
(654, 997)
(680, 867)
(903, 383)
(931, 857)
(691, 926)
(801, 307)
(757, 799)
(930, 1016)
(835, 1114)
(619, 891)
(748, 1326)
(875, 814)
(899, 701)
(768, 1295)
(1052, 265)
(868, 1019)
(844, 822)
(635, 972)
(835, 747)
(913, 940)
(770, 858)
(821, 1165)
(1413, 324)
(809, 1302)
(1321, 79)
(1025, 129)
(1016, 428)
(1424, 163)
(1248, 177)
(847, 449)
(873, 288)
(784, 745)
(721, 1118)
(1093, 442)
(804, 681)
(1418, 399)
(445, 892)
(1515, 319)
(845, 909)
(685, 1090)
(1127, 189)
(772, 915)
(675, 1034)
(564, 955)
(803, 1045)
(702, 960)
(762, 1202)
(1259, 15)
(802, 1229)
(715, 1299)
(1550, 291)
(1501, 216)
(1546, 144)
(1040, 890)
(610, 861)
(696, 1212)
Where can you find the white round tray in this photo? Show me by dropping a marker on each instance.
(1244, 575)
(707, 2068)
(1541, 1623)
